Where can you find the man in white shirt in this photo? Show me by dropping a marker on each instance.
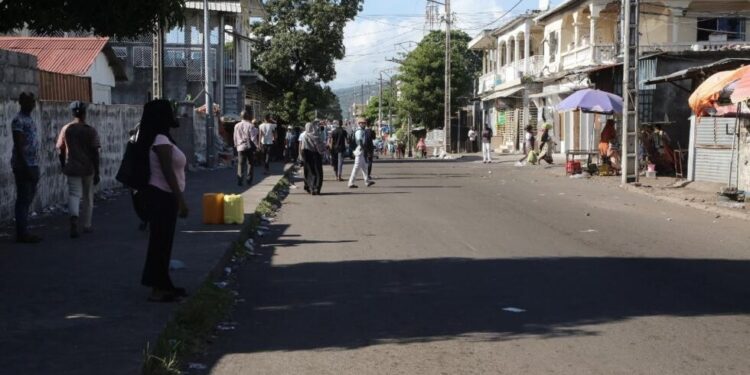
(267, 139)
(360, 163)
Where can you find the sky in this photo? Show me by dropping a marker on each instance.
(386, 28)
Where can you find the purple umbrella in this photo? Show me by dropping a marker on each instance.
(592, 101)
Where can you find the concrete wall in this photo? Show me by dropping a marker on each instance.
(18, 73)
(112, 122)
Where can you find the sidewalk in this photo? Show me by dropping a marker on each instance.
(77, 306)
(699, 195)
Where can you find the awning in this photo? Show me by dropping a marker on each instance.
(504, 93)
(700, 71)
(216, 6)
(548, 94)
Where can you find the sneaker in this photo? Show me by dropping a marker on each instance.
(370, 183)
(74, 227)
(28, 238)
(353, 186)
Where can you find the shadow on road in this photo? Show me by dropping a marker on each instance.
(355, 304)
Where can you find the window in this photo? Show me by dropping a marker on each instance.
(552, 46)
(721, 29)
(176, 36)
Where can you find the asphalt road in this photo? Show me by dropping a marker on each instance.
(465, 268)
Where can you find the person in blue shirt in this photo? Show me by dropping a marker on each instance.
(25, 165)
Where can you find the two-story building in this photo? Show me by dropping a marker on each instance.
(578, 44)
(511, 57)
(235, 84)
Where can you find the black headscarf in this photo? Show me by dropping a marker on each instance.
(158, 118)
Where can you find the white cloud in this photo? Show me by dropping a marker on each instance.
(369, 40)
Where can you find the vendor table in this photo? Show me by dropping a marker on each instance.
(589, 154)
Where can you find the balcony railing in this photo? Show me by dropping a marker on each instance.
(697, 46)
(588, 55)
(487, 82)
(510, 73)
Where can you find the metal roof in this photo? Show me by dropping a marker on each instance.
(216, 6)
(58, 55)
(701, 71)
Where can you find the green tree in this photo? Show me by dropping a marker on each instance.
(371, 111)
(108, 18)
(422, 77)
(297, 45)
(332, 110)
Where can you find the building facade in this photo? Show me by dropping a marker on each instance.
(578, 44)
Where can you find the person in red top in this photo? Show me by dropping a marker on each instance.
(608, 135)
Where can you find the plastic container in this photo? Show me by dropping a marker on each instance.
(234, 209)
(573, 167)
(213, 208)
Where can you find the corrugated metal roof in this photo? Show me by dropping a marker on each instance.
(58, 55)
(216, 6)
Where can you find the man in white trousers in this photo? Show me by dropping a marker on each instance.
(360, 164)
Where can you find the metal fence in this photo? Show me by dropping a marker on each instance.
(194, 64)
(142, 56)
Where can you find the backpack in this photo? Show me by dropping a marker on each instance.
(134, 171)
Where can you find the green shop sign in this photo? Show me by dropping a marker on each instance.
(501, 119)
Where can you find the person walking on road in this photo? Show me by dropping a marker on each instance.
(528, 145)
(245, 142)
(164, 195)
(368, 146)
(359, 156)
(313, 151)
(79, 146)
(546, 145)
(267, 139)
(25, 166)
(338, 148)
(487, 145)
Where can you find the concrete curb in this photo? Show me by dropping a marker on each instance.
(218, 269)
(216, 272)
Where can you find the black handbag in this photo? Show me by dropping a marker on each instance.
(134, 169)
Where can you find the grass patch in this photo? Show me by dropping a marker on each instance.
(194, 321)
(188, 331)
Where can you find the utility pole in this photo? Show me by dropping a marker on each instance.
(631, 11)
(390, 106)
(362, 99)
(380, 101)
(210, 159)
(157, 62)
(447, 125)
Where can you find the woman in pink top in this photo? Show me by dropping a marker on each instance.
(164, 197)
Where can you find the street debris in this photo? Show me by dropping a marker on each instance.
(176, 264)
(196, 366)
(227, 326)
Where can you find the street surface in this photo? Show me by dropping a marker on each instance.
(466, 268)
